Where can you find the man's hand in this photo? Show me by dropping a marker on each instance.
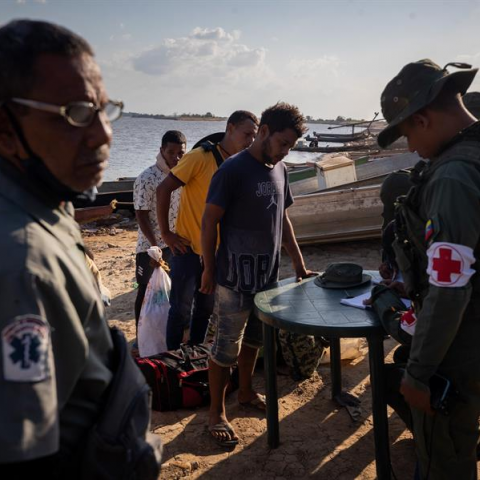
(386, 271)
(302, 273)
(176, 243)
(398, 287)
(207, 286)
(418, 399)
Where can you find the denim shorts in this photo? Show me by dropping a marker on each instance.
(234, 324)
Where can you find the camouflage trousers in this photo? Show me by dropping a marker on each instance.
(302, 353)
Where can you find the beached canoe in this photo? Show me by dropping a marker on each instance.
(120, 190)
(338, 137)
(373, 172)
(337, 148)
(93, 213)
(347, 212)
(337, 216)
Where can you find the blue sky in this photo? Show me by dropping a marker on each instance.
(328, 57)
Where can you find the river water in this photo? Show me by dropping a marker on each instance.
(136, 142)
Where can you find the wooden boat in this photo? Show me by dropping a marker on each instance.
(337, 148)
(339, 215)
(347, 212)
(120, 190)
(90, 214)
(338, 137)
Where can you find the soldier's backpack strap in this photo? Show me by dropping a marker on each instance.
(212, 147)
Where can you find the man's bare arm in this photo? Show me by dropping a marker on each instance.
(290, 244)
(164, 193)
(145, 226)
(211, 218)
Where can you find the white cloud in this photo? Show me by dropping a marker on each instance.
(218, 34)
(205, 52)
(211, 69)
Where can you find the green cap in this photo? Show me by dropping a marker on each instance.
(416, 86)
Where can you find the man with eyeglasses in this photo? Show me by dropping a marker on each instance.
(56, 351)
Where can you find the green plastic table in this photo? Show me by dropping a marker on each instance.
(310, 310)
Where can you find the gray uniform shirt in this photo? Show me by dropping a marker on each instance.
(55, 343)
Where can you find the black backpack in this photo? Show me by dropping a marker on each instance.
(208, 146)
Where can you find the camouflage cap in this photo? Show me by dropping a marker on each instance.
(417, 85)
(471, 100)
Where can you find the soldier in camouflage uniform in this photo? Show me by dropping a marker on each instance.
(437, 246)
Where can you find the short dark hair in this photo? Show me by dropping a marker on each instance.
(282, 116)
(240, 116)
(21, 42)
(173, 136)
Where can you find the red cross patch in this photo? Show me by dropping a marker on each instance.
(449, 264)
(408, 321)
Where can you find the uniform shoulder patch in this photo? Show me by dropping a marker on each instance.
(26, 349)
(428, 231)
(449, 264)
(408, 321)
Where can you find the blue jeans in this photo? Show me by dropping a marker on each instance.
(187, 304)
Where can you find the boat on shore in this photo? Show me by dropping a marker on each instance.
(347, 212)
(120, 190)
(338, 137)
(336, 148)
(337, 216)
(93, 213)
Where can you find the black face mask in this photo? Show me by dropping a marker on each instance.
(38, 173)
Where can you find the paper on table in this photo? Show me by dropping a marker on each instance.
(357, 302)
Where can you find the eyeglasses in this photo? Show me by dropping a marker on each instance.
(78, 114)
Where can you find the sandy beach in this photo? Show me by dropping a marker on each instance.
(318, 439)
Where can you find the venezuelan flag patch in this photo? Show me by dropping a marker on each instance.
(428, 230)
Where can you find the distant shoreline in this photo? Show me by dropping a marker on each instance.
(182, 118)
(212, 118)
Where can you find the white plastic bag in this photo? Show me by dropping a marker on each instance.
(350, 348)
(152, 324)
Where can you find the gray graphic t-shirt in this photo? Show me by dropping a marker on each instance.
(254, 197)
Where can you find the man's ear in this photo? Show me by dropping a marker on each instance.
(8, 139)
(263, 131)
(421, 120)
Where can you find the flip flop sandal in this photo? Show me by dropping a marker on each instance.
(223, 427)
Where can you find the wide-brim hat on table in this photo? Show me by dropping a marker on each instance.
(416, 86)
(342, 275)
